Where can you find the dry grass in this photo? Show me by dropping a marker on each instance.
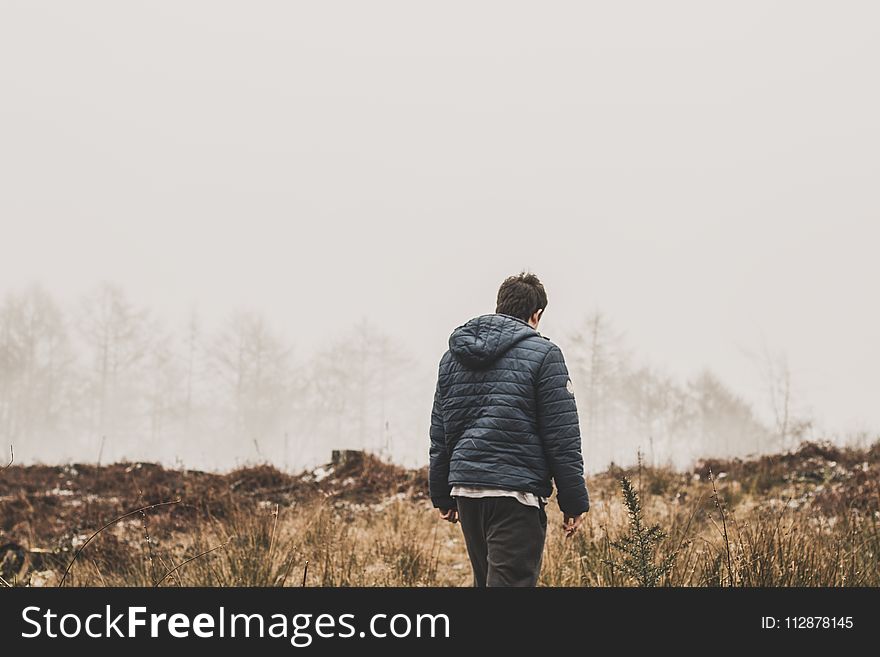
(808, 518)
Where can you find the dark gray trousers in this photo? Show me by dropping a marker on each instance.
(504, 538)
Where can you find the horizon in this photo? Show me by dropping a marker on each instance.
(711, 191)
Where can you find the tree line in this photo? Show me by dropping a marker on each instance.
(627, 407)
(103, 379)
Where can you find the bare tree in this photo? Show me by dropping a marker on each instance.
(726, 424)
(116, 342)
(598, 363)
(35, 360)
(789, 425)
(354, 385)
(192, 351)
(252, 362)
(165, 383)
(647, 395)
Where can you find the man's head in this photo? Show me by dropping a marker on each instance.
(522, 296)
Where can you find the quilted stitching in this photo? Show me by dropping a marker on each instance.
(503, 417)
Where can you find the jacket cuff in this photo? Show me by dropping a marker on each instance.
(574, 508)
(444, 503)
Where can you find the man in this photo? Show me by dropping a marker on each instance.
(504, 423)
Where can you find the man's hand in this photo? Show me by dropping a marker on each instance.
(571, 524)
(450, 515)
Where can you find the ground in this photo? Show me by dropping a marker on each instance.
(804, 518)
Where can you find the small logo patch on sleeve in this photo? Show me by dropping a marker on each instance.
(570, 387)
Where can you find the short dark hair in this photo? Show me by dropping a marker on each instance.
(521, 296)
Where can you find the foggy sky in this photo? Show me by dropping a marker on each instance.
(704, 173)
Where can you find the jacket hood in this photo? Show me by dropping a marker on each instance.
(482, 340)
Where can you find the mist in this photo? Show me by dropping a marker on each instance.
(236, 234)
(106, 380)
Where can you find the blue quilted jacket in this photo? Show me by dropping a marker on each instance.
(504, 415)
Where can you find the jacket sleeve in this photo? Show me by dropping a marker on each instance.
(438, 479)
(560, 433)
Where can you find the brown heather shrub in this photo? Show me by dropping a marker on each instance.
(806, 518)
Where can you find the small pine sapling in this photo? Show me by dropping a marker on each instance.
(639, 545)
